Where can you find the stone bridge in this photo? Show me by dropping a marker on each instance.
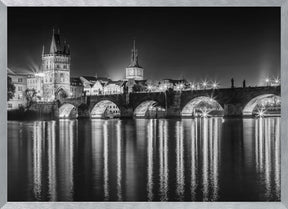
(232, 101)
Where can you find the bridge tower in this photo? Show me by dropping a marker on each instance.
(56, 69)
(134, 70)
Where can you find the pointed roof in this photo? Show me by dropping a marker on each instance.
(55, 43)
(134, 57)
(10, 72)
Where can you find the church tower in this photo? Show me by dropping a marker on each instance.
(56, 69)
(134, 70)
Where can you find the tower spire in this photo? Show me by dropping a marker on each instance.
(53, 47)
(134, 56)
(55, 43)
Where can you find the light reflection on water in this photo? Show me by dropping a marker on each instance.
(208, 159)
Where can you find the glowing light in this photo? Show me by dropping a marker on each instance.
(204, 83)
(260, 113)
(179, 86)
(215, 85)
(277, 80)
(267, 80)
(40, 74)
(204, 113)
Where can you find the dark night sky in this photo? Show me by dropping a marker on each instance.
(194, 43)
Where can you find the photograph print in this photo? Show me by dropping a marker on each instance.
(144, 104)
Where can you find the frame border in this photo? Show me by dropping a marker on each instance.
(143, 205)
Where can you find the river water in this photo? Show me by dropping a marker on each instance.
(208, 159)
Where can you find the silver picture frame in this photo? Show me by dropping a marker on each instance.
(4, 4)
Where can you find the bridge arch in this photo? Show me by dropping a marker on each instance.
(68, 111)
(202, 106)
(149, 109)
(61, 94)
(270, 102)
(105, 109)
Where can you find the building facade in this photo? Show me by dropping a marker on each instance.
(56, 69)
(134, 70)
(94, 85)
(76, 87)
(35, 82)
(20, 83)
(114, 87)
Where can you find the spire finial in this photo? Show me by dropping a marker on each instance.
(134, 45)
(53, 30)
(53, 47)
(58, 30)
(43, 49)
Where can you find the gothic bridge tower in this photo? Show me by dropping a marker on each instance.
(134, 70)
(56, 69)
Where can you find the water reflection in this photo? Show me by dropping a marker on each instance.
(66, 158)
(37, 160)
(267, 155)
(146, 160)
(179, 160)
(150, 139)
(163, 161)
(52, 180)
(119, 160)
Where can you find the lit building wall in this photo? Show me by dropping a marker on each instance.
(113, 88)
(20, 83)
(76, 88)
(136, 73)
(97, 88)
(36, 82)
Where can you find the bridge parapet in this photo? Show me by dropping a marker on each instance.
(232, 100)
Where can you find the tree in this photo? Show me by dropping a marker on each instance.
(31, 96)
(10, 89)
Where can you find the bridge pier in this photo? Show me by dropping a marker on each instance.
(233, 110)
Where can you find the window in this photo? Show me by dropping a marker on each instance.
(19, 88)
(20, 80)
(10, 105)
(62, 77)
(64, 66)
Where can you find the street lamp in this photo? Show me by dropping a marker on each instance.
(215, 85)
(149, 87)
(277, 81)
(204, 84)
(267, 81)
(192, 86)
